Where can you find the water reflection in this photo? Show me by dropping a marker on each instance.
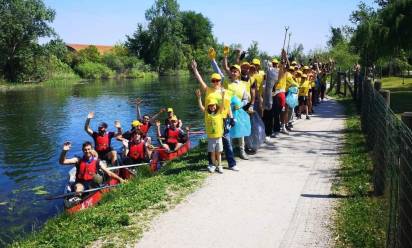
(35, 122)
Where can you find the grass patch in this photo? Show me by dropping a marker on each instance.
(126, 212)
(401, 93)
(360, 219)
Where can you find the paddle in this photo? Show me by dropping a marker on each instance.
(76, 193)
(126, 166)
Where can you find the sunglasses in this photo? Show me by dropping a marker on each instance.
(215, 80)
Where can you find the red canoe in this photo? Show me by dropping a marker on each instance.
(95, 197)
(160, 154)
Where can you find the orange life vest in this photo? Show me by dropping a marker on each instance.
(145, 128)
(102, 143)
(136, 151)
(172, 136)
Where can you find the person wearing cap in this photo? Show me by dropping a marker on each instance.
(135, 150)
(102, 139)
(259, 76)
(87, 167)
(214, 93)
(303, 96)
(271, 78)
(214, 129)
(170, 115)
(146, 122)
(134, 125)
(308, 71)
(173, 137)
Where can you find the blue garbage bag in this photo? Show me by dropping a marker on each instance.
(257, 136)
(242, 127)
(292, 97)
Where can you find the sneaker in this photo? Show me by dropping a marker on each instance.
(243, 155)
(274, 135)
(284, 131)
(267, 139)
(74, 200)
(234, 168)
(211, 168)
(220, 169)
(307, 117)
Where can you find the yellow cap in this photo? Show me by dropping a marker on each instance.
(294, 63)
(256, 61)
(306, 67)
(173, 118)
(291, 68)
(169, 109)
(304, 75)
(216, 76)
(212, 101)
(275, 61)
(299, 72)
(237, 67)
(245, 64)
(136, 123)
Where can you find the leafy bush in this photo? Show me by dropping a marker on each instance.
(94, 70)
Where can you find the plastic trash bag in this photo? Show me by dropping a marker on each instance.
(292, 97)
(257, 136)
(242, 127)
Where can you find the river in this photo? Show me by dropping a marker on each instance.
(35, 121)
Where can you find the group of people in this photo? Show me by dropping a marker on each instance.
(137, 146)
(247, 95)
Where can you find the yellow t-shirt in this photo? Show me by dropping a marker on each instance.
(290, 81)
(304, 88)
(214, 124)
(259, 77)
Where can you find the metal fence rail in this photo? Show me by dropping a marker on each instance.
(390, 141)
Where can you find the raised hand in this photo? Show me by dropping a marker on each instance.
(67, 145)
(194, 65)
(211, 53)
(226, 51)
(117, 124)
(90, 115)
(198, 93)
(125, 142)
(157, 122)
(162, 110)
(138, 101)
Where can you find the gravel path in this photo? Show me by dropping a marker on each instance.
(280, 198)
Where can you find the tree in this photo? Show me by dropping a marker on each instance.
(252, 51)
(22, 23)
(197, 29)
(336, 36)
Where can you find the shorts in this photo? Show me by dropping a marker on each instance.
(281, 100)
(303, 100)
(214, 145)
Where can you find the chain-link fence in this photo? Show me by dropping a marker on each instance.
(390, 141)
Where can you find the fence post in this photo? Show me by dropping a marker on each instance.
(377, 85)
(387, 96)
(405, 192)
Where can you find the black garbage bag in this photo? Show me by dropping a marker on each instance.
(257, 136)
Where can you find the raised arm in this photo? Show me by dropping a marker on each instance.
(67, 161)
(198, 77)
(199, 100)
(118, 128)
(154, 117)
(225, 64)
(159, 134)
(138, 113)
(87, 128)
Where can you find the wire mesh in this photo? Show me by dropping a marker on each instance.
(390, 141)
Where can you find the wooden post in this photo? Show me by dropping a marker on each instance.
(387, 96)
(405, 189)
(377, 85)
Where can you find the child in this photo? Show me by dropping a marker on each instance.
(214, 130)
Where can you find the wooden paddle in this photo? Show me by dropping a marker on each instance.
(77, 193)
(127, 166)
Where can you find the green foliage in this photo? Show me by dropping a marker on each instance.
(360, 219)
(89, 54)
(197, 29)
(94, 70)
(22, 23)
(336, 36)
(344, 58)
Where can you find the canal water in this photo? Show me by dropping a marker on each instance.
(34, 123)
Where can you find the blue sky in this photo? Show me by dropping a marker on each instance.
(106, 22)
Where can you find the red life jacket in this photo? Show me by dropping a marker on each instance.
(86, 171)
(172, 136)
(102, 143)
(145, 127)
(136, 151)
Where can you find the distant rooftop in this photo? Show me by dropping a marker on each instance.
(77, 47)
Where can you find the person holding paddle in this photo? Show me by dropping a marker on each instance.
(173, 137)
(87, 167)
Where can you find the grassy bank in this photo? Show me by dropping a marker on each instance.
(401, 93)
(126, 211)
(360, 217)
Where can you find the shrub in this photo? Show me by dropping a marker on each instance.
(94, 70)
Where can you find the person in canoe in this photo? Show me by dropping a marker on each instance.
(102, 139)
(87, 167)
(146, 121)
(170, 115)
(173, 137)
(136, 150)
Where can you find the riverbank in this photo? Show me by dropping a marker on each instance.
(360, 217)
(124, 213)
(401, 93)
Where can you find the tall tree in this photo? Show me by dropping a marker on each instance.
(22, 23)
(197, 29)
(336, 36)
